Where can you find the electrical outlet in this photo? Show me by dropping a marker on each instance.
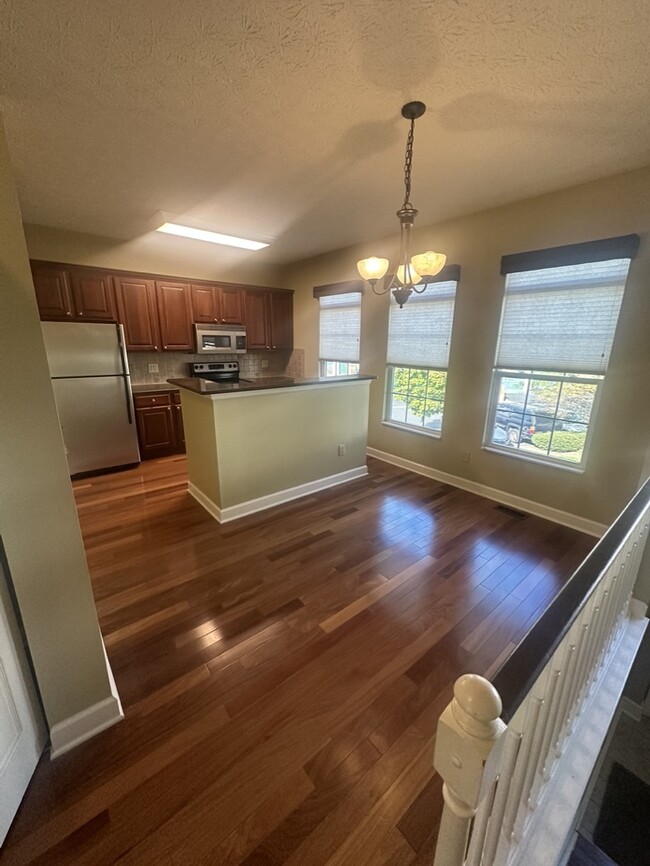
(466, 456)
(341, 450)
(153, 368)
(265, 364)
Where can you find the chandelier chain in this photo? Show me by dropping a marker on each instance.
(408, 165)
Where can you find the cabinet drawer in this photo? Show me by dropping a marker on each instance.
(143, 401)
(176, 398)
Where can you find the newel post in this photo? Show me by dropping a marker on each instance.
(467, 732)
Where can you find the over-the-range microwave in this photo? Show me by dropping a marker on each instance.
(217, 340)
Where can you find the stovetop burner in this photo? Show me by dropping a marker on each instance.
(216, 371)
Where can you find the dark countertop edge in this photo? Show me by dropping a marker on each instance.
(205, 388)
(145, 387)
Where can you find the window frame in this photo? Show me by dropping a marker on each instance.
(543, 459)
(589, 253)
(323, 361)
(388, 393)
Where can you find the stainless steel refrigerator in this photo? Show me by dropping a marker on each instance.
(92, 389)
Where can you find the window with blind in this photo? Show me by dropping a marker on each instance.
(419, 336)
(559, 317)
(340, 326)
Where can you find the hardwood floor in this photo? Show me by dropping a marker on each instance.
(282, 675)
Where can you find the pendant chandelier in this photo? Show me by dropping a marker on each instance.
(412, 271)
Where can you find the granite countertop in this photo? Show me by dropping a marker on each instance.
(143, 388)
(265, 383)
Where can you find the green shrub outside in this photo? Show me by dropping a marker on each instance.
(563, 441)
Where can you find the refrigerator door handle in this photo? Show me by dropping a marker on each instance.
(123, 355)
(129, 399)
(125, 373)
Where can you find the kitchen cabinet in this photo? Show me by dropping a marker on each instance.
(68, 293)
(257, 320)
(213, 305)
(281, 317)
(175, 315)
(269, 319)
(159, 421)
(93, 296)
(53, 291)
(179, 430)
(136, 306)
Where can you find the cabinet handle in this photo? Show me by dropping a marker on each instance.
(68, 313)
(156, 348)
(153, 399)
(81, 314)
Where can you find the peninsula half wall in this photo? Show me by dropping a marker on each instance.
(251, 449)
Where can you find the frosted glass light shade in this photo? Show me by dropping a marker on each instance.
(414, 276)
(429, 264)
(372, 268)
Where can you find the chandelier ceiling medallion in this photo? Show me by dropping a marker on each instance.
(412, 271)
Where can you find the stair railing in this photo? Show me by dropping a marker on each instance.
(515, 755)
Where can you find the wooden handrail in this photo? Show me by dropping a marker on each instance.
(516, 676)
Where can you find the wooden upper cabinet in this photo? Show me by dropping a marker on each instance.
(231, 305)
(281, 316)
(136, 306)
(53, 291)
(205, 304)
(175, 312)
(94, 297)
(257, 320)
(217, 305)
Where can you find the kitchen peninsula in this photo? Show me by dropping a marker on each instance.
(255, 444)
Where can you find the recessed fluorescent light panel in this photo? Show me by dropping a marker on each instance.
(211, 237)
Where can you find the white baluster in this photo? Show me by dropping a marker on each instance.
(467, 732)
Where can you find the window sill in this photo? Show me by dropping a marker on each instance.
(540, 461)
(409, 428)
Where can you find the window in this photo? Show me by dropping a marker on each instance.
(418, 354)
(339, 325)
(557, 329)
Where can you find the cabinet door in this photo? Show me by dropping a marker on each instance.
(205, 304)
(94, 297)
(231, 305)
(136, 306)
(155, 431)
(257, 320)
(281, 320)
(53, 293)
(174, 310)
(179, 430)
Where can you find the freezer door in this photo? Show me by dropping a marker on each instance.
(80, 349)
(97, 422)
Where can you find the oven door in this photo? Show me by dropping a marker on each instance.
(214, 342)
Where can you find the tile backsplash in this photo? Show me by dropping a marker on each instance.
(174, 365)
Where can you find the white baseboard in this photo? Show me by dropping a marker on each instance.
(518, 502)
(89, 722)
(252, 506)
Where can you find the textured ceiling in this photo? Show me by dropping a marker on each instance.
(281, 118)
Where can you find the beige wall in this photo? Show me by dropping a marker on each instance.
(38, 519)
(151, 253)
(614, 206)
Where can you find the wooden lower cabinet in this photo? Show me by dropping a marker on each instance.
(159, 420)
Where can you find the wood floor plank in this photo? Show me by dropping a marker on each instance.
(282, 675)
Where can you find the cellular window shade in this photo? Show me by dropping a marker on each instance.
(562, 319)
(420, 333)
(340, 324)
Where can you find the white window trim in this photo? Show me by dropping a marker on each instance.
(544, 460)
(399, 425)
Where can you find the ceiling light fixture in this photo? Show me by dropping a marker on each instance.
(411, 272)
(211, 237)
